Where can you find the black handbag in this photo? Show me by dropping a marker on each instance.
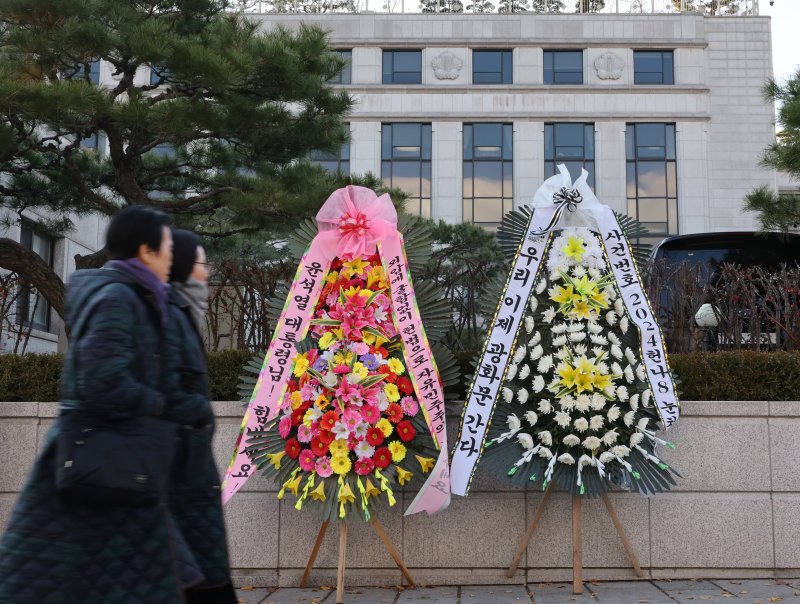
(125, 463)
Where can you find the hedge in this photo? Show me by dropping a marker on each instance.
(723, 376)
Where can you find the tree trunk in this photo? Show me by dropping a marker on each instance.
(95, 260)
(34, 270)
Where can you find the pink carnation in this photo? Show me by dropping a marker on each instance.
(304, 433)
(371, 414)
(285, 426)
(323, 466)
(409, 405)
(306, 460)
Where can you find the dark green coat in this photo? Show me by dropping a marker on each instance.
(194, 497)
(68, 553)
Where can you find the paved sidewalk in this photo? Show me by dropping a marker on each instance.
(752, 591)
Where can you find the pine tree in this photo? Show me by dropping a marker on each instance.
(547, 6)
(442, 6)
(709, 7)
(589, 6)
(205, 117)
(513, 6)
(781, 211)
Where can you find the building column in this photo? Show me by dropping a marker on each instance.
(447, 172)
(528, 161)
(609, 165)
(365, 148)
(691, 151)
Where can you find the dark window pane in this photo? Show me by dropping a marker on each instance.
(406, 176)
(549, 146)
(670, 142)
(507, 67)
(386, 141)
(653, 67)
(427, 141)
(508, 141)
(345, 76)
(568, 61)
(468, 179)
(486, 60)
(405, 166)
(467, 133)
(588, 140)
(669, 71)
(569, 135)
(409, 61)
(402, 66)
(571, 144)
(563, 67)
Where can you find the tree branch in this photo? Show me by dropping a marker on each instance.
(26, 263)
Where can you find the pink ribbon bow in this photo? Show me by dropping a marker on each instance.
(353, 220)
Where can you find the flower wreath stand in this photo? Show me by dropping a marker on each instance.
(348, 404)
(573, 382)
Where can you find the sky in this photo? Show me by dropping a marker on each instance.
(785, 41)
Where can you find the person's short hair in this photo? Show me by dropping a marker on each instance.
(131, 227)
(184, 254)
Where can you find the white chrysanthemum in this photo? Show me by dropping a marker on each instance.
(562, 354)
(602, 367)
(580, 349)
(611, 317)
(571, 440)
(606, 457)
(554, 386)
(642, 423)
(592, 443)
(559, 328)
(636, 438)
(546, 453)
(598, 402)
(508, 395)
(585, 460)
(583, 402)
(623, 324)
(531, 417)
(610, 391)
(511, 371)
(612, 337)
(538, 384)
(560, 340)
(578, 272)
(634, 402)
(622, 393)
(646, 396)
(545, 406)
(566, 459)
(597, 350)
(524, 372)
(596, 422)
(562, 419)
(610, 437)
(537, 337)
(364, 449)
(594, 327)
(567, 403)
(533, 304)
(536, 353)
(525, 440)
(575, 327)
(520, 353)
(513, 422)
(620, 451)
(528, 324)
(630, 356)
(581, 425)
(616, 368)
(594, 272)
(577, 337)
(522, 396)
(540, 286)
(613, 414)
(549, 315)
(628, 373)
(616, 352)
(599, 340)
(545, 364)
(629, 417)
(383, 400)
(640, 374)
(619, 306)
(545, 437)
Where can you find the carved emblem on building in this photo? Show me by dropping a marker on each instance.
(609, 66)
(446, 66)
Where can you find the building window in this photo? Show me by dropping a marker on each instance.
(346, 76)
(32, 308)
(563, 67)
(402, 66)
(491, 67)
(652, 180)
(94, 72)
(334, 162)
(572, 145)
(488, 173)
(158, 74)
(406, 163)
(653, 67)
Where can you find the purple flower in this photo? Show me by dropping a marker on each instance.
(320, 364)
(370, 361)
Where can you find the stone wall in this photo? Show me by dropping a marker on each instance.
(735, 513)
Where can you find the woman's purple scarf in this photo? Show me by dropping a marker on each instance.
(135, 268)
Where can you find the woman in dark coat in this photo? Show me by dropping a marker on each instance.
(60, 552)
(194, 496)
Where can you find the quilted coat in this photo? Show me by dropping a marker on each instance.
(70, 553)
(194, 497)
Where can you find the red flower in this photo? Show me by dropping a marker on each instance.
(390, 376)
(297, 416)
(406, 431)
(382, 457)
(364, 466)
(375, 436)
(291, 386)
(318, 446)
(326, 437)
(328, 421)
(404, 385)
(394, 412)
(293, 448)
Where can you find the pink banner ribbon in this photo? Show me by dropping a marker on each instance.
(353, 222)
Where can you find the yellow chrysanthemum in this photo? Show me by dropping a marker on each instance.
(332, 277)
(396, 365)
(398, 451)
(574, 249)
(341, 464)
(339, 447)
(342, 358)
(391, 392)
(385, 426)
(356, 266)
(326, 340)
(322, 402)
(360, 370)
(300, 365)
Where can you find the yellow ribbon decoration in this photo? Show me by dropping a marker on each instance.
(304, 496)
(275, 459)
(318, 494)
(426, 463)
(385, 487)
(364, 498)
(346, 495)
(403, 476)
(371, 490)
